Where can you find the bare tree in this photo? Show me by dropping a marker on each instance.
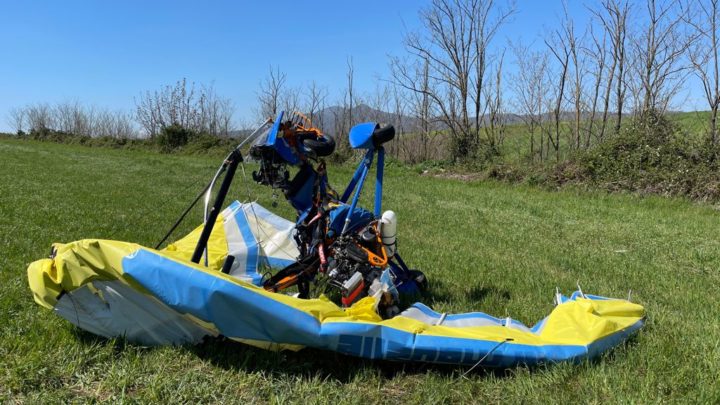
(199, 109)
(349, 100)
(211, 113)
(40, 117)
(315, 102)
(270, 93)
(291, 100)
(495, 117)
(559, 46)
(530, 85)
(17, 119)
(343, 117)
(223, 110)
(485, 29)
(118, 125)
(613, 16)
(454, 46)
(379, 103)
(702, 17)
(104, 124)
(658, 52)
(577, 61)
(398, 106)
(597, 69)
(421, 108)
(72, 118)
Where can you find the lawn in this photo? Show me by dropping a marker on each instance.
(485, 246)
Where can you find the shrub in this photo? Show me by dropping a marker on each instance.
(650, 155)
(649, 143)
(205, 143)
(47, 134)
(173, 137)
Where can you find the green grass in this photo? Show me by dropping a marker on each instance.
(516, 146)
(695, 123)
(485, 246)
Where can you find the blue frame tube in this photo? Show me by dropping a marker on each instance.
(379, 181)
(351, 186)
(365, 169)
(401, 262)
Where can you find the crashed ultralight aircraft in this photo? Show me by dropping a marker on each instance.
(211, 282)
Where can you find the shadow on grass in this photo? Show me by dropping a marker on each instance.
(89, 338)
(479, 293)
(312, 363)
(119, 344)
(231, 355)
(441, 292)
(309, 363)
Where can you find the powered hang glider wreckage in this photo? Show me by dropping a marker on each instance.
(344, 249)
(336, 282)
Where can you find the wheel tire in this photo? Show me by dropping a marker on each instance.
(420, 280)
(321, 148)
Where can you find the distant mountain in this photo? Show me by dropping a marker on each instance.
(327, 118)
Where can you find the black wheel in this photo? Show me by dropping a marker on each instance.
(324, 147)
(420, 280)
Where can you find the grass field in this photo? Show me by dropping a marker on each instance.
(516, 147)
(491, 247)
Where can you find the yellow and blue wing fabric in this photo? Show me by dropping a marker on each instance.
(254, 236)
(159, 297)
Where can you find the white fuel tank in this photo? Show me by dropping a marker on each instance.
(388, 231)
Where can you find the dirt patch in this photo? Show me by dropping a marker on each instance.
(454, 176)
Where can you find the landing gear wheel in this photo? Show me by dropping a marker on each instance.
(420, 280)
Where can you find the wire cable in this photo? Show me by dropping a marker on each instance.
(182, 217)
(485, 356)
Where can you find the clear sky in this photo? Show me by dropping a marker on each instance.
(105, 53)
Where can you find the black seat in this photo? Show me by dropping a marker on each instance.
(382, 135)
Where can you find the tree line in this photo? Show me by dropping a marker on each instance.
(459, 84)
(452, 96)
(630, 58)
(197, 108)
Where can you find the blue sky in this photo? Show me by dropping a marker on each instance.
(105, 53)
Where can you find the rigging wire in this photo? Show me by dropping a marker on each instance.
(464, 375)
(207, 191)
(182, 217)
